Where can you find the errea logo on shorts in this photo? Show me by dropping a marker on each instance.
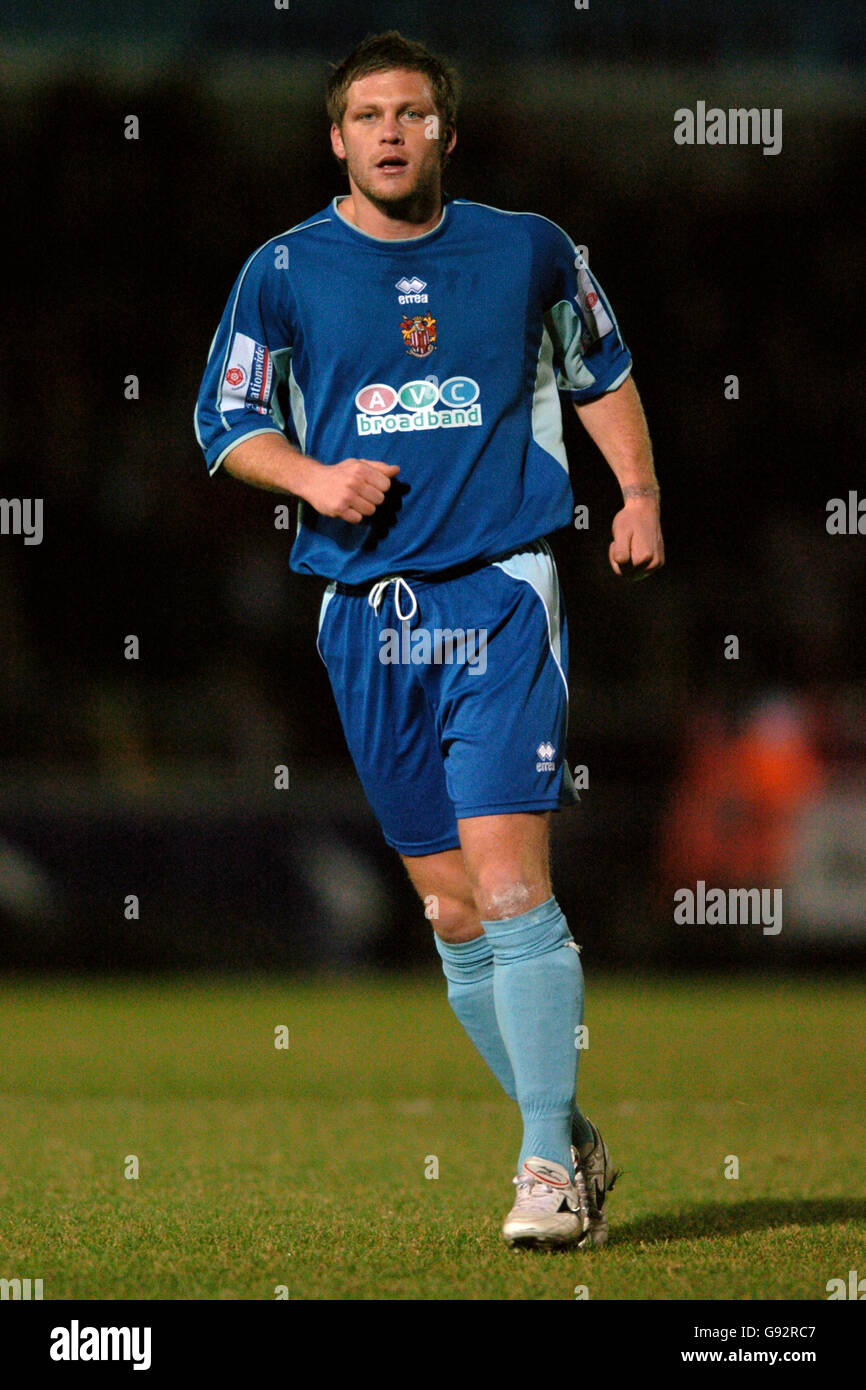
(418, 405)
(545, 753)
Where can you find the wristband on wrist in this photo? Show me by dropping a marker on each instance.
(633, 490)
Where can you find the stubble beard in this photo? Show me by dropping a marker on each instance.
(416, 205)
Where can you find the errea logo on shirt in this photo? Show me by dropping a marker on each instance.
(410, 290)
(379, 405)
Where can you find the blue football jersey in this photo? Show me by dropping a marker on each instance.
(443, 353)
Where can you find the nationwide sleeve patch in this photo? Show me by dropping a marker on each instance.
(592, 306)
(249, 377)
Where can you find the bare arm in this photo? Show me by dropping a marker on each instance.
(617, 425)
(350, 490)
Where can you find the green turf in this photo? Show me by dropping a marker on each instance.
(306, 1167)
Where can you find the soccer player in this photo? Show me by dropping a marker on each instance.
(396, 362)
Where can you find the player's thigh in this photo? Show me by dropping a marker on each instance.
(390, 729)
(507, 861)
(443, 885)
(503, 718)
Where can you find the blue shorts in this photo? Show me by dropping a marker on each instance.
(453, 695)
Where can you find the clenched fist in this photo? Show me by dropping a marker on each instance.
(350, 490)
(637, 547)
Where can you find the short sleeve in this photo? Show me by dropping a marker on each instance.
(589, 355)
(249, 355)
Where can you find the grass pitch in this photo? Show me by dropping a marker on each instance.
(306, 1167)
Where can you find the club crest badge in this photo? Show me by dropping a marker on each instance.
(419, 334)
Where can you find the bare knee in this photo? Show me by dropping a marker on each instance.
(452, 919)
(500, 896)
(507, 860)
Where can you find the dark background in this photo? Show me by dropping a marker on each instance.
(155, 777)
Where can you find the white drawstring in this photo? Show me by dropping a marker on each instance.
(377, 593)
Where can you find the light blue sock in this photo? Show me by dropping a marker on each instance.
(468, 968)
(538, 993)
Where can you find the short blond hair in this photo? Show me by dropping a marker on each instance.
(385, 53)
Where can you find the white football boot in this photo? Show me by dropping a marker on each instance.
(592, 1161)
(549, 1209)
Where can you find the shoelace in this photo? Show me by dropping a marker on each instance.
(377, 593)
(533, 1190)
(525, 1186)
(582, 1194)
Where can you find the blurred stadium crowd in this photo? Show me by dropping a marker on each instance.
(718, 262)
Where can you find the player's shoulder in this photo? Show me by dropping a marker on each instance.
(532, 224)
(276, 251)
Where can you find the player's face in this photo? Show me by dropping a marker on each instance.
(389, 138)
